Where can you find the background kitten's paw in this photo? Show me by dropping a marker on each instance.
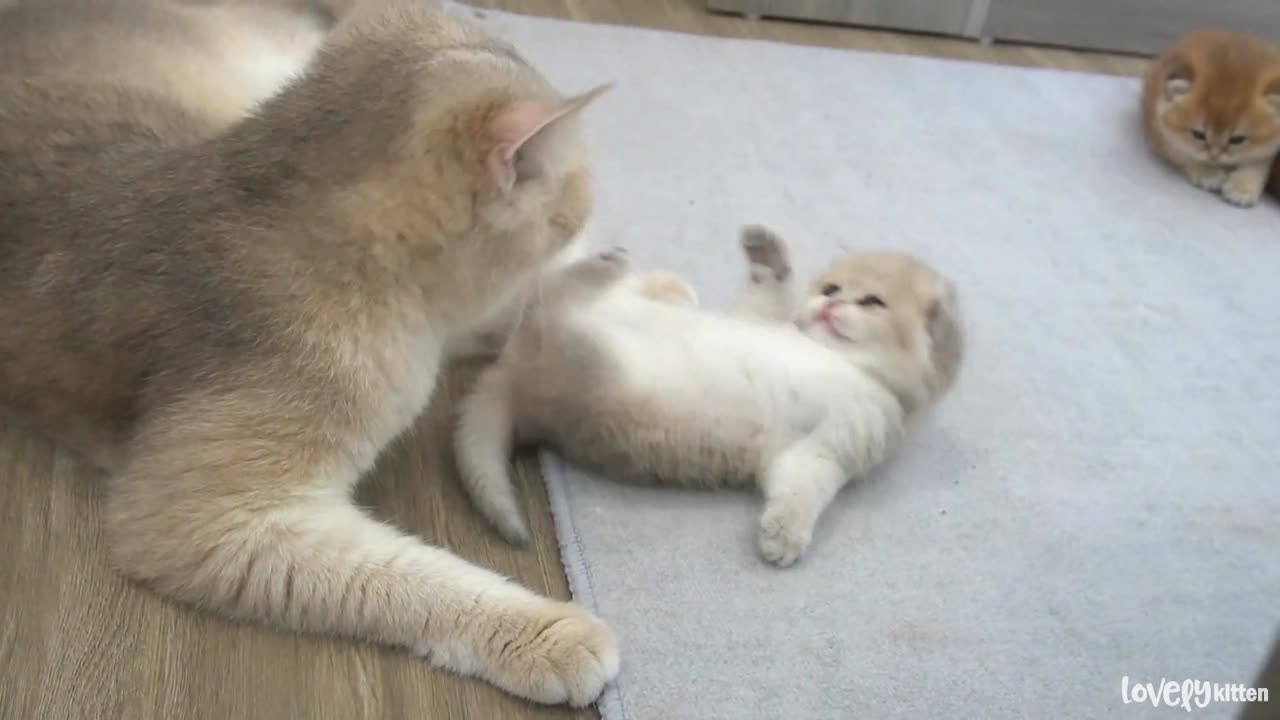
(1243, 189)
(1207, 178)
(784, 534)
(556, 653)
(767, 254)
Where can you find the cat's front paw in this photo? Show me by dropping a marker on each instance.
(554, 653)
(785, 533)
(1244, 188)
(1206, 177)
(766, 254)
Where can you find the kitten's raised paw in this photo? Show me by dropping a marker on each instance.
(784, 534)
(556, 653)
(1243, 189)
(766, 253)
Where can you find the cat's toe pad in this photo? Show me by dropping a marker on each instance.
(784, 535)
(767, 254)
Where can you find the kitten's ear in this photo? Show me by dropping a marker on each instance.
(945, 333)
(1272, 94)
(1178, 82)
(940, 315)
(525, 134)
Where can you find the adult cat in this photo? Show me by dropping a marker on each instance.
(625, 375)
(234, 245)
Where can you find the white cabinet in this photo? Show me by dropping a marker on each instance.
(1137, 26)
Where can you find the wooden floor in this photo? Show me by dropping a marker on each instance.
(78, 642)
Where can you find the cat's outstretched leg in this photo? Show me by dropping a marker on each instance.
(769, 294)
(798, 485)
(800, 481)
(483, 442)
(258, 525)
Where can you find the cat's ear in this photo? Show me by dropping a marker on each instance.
(940, 314)
(525, 136)
(1178, 82)
(1272, 94)
(946, 336)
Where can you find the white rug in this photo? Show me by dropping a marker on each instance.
(1098, 499)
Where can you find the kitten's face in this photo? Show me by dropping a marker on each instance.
(1220, 123)
(892, 305)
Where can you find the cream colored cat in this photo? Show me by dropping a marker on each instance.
(235, 245)
(625, 375)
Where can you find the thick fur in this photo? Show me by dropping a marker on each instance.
(235, 244)
(1211, 107)
(625, 375)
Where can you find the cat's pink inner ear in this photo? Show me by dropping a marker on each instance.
(516, 128)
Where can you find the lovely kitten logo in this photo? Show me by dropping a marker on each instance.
(1188, 694)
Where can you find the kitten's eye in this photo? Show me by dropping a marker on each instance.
(830, 290)
(1237, 139)
(868, 301)
(1198, 134)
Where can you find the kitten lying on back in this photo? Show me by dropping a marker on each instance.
(235, 246)
(623, 374)
(1211, 106)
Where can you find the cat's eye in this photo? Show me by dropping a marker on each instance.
(1237, 139)
(868, 301)
(830, 290)
(1198, 134)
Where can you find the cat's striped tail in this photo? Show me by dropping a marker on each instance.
(482, 444)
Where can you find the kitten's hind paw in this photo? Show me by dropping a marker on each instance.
(766, 253)
(784, 535)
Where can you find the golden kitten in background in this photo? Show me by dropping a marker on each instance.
(1211, 106)
(235, 245)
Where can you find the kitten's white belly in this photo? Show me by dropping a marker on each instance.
(724, 366)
